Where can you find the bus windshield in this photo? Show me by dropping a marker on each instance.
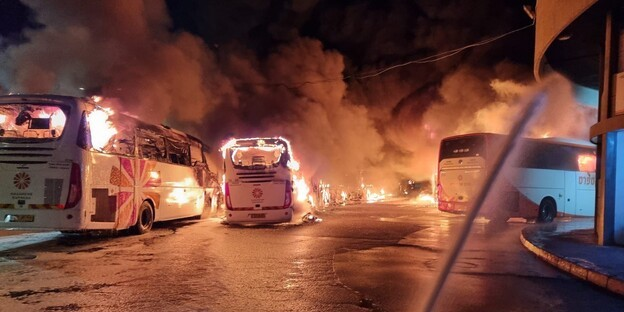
(469, 146)
(258, 156)
(31, 122)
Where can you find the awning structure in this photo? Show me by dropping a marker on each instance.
(567, 39)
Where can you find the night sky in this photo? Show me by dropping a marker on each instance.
(315, 71)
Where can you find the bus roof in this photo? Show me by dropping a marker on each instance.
(37, 98)
(256, 141)
(71, 100)
(554, 140)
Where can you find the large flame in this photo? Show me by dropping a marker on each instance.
(102, 128)
(301, 188)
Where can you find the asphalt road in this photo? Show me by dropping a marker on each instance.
(375, 257)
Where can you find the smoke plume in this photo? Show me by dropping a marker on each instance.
(292, 71)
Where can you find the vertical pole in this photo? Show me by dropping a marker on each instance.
(603, 221)
(609, 223)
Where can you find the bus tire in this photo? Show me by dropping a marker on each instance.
(145, 219)
(547, 210)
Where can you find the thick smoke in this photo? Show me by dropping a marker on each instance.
(293, 72)
(117, 48)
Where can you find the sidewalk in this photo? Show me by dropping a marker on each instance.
(571, 245)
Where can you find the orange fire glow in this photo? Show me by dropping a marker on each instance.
(301, 187)
(57, 118)
(372, 197)
(587, 163)
(102, 129)
(299, 182)
(179, 195)
(424, 199)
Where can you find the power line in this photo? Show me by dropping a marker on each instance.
(424, 60)
(442, 55)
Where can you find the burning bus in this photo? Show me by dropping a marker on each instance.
(258, 180)
(71, 164)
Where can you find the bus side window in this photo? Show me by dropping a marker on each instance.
(152, 148)
(161, 150)
(179, 152)
(124, 142)
(146, 148)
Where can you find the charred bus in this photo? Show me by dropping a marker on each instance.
(71, 164)
(258, 177)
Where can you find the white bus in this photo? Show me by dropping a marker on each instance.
(258, 183)
(545, 178)
(69, 164)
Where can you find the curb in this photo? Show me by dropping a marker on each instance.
(599, 279)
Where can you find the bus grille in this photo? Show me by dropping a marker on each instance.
(256, 177)
(52, 191)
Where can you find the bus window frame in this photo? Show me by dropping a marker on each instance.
(66, 109)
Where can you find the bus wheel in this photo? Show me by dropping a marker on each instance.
(547, 210)
(145, 220)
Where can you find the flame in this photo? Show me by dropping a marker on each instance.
(372, 197)
(325, 193)
(301, 187)
(299, 182)
(293, 164)
(97, 98)
(546, 135)
(223, 184)
(425, 199)
(57, 118)
(3, 118)
(225, 146)
(344, 196)
(587, 163)
(102, 129)
(179, 195)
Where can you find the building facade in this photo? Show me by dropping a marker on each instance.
(584, 40)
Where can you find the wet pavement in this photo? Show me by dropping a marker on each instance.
(571, 245)
(360, 258)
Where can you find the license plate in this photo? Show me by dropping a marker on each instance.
(19, 218)
(257, 215)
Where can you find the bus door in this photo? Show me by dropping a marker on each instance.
(112, 175)
(105, 176)
(585, 184)
(569, 193)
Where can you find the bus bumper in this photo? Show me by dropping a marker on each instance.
(453, 207)
(259, 216)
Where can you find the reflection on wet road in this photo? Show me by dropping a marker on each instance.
(359, 258)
